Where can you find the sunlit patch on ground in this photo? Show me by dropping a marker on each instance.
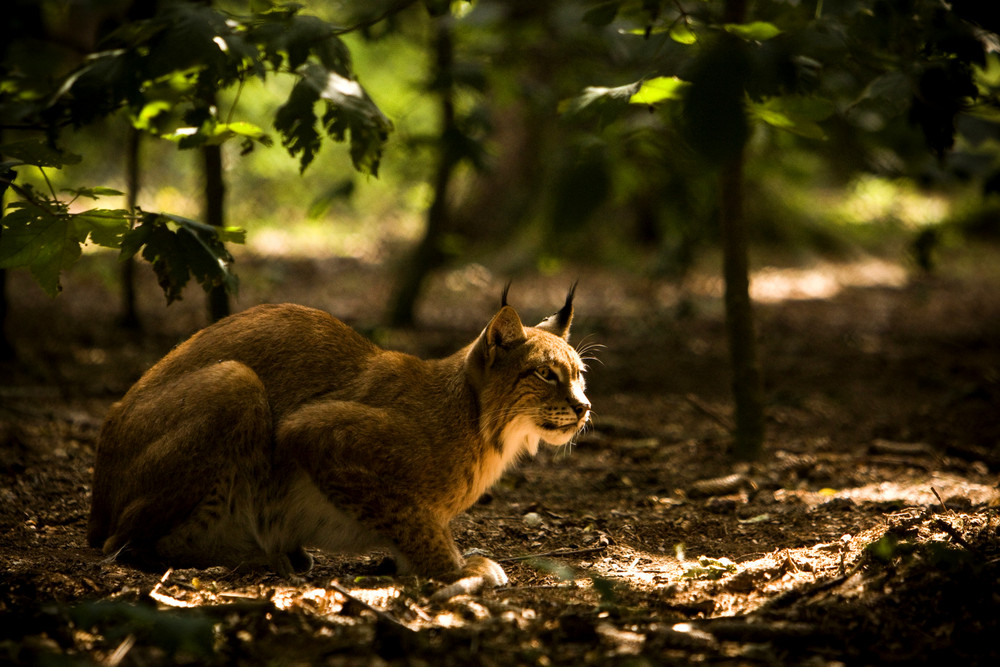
(823, 281)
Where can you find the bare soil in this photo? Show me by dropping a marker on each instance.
(868, 533)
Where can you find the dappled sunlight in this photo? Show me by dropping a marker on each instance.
(169, 198)
(720, 584)
(925, 490)
(316, 239)
(873, 199)
(824, 280)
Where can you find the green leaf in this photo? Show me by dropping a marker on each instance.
(191, 35)
(22, 229)
(607, 103)
(757, 31)
(348, 108)
(301, 35)
(104, 227)
(231, 234)
(681, 33)
(709, 568)
(44, 238)
(887, 96)
(39, 238)
(796, 114)
(659, 89)
(94, 193)
(39, 153)
(145, 119)
(136, 238)
(179, 249)
(295, 120)
(242, 129)
(217, 134)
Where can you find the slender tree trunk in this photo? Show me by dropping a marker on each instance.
(428, 254)
(6, 349)
(215, 193)
(129, 318)
(747, 390)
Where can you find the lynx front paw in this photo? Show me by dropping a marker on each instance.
(478, 574)
(481, 566)
(290, 565)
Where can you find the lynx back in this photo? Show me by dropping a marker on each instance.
(281, 428)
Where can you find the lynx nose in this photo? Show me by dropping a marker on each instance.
(581, 410)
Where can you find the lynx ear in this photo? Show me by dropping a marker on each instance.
(504, 332)
(559, 323)
(505, 329)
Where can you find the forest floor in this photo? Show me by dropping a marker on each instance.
(868, 533)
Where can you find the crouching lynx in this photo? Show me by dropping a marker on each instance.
(281, 428)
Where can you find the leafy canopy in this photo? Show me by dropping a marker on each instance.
(794, 66)
(165, 64)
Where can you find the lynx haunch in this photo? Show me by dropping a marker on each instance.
(281, 428)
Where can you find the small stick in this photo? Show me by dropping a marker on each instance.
(721, 420)
(943, 506)
(954, 534)
(163, 598)
(119, 653)
(553, 554)
(537, 587)
(383, 616)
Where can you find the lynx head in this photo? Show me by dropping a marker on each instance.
(529, 381)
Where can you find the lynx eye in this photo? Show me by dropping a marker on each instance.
(547, 374)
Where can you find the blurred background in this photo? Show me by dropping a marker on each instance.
(542, 143)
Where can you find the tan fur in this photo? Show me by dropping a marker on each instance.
(281, 428)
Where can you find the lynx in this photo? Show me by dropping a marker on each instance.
(281, 428)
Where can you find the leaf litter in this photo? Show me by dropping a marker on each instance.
(869, 533)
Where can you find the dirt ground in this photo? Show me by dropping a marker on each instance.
(869, 532)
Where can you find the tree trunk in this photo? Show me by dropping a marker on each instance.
(6, 349)
(129, 318)
(428, 254)
(748, 438)
(215, 193)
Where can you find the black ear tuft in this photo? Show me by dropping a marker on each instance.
(560, 322)
(503, 297)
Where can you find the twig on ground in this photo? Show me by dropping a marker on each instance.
(941, 502)
(722, 420)
(795, 594)
(729, 629)
(721, 486)
(553, 554)
(955, 535)
(119, 653)
(163, 598)
(538, 587)
(381, 615)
